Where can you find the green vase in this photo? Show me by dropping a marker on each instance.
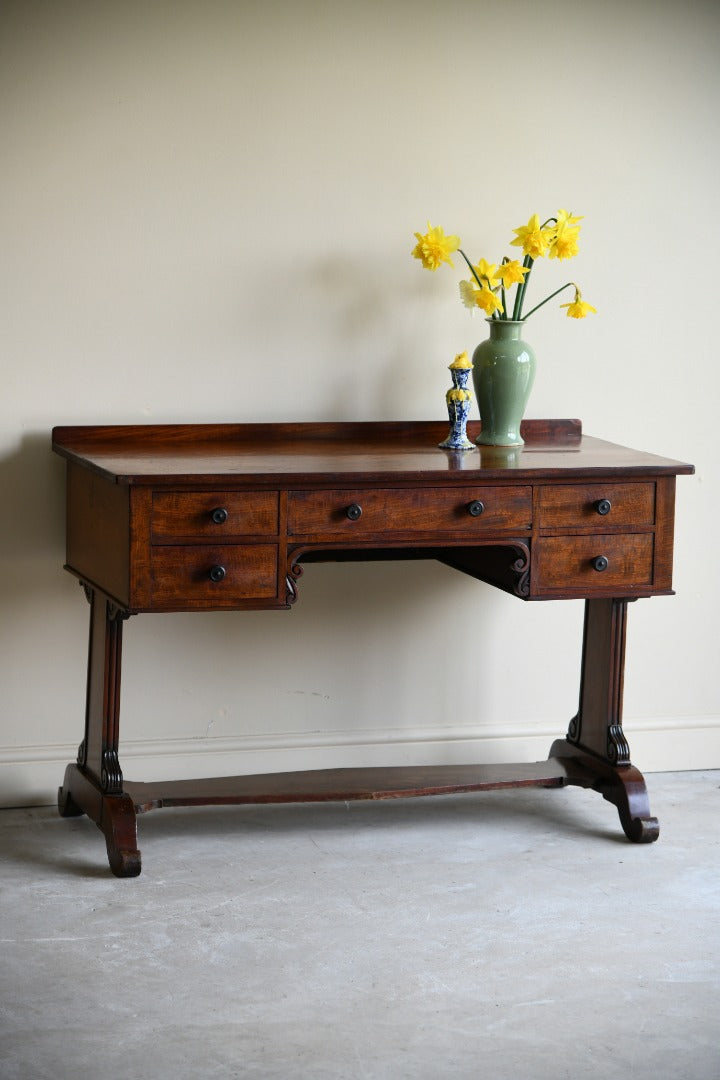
(503, 375)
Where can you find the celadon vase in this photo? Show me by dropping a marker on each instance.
(503, 376)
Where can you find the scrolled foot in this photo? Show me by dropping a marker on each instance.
(622, 785)
(640, 830)
(124, 864)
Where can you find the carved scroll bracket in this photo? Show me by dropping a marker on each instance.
(505, 562)
(294, 573)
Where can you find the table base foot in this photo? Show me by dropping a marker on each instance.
(114, 815)
(622, 785)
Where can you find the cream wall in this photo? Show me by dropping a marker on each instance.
(207, 211)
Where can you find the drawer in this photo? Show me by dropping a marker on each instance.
(361, 513)
(223, 574)
(596, 505)
(570, 562)
(213, 514)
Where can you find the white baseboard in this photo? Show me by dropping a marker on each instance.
(30, 775)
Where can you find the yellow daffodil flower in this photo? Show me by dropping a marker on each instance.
(564, 217)
(531, 238)
(433, 248)
(484, 298)
(462, 360)
(578, 309)
(487, 273)
(512, 273)
(487, 300)
(564, 243)
(488, 287)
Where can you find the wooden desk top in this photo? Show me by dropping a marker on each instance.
(171, 454)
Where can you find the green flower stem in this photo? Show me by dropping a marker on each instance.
(480, 284)
(520, 294)
(472, 268)
(567, 285)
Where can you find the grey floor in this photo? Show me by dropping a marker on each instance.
(508, 934)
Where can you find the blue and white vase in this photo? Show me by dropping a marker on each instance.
(458, 399)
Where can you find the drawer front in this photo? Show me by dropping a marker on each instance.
(584, 563)
(596, 505)
(213, 515)
(221, 575)
(361, 513)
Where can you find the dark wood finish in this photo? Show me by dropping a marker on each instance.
(255, 456)
(578, 506)
(597, 728)
(333, 785)
(568, 562)
(321, 514)
(182, 575)
(98, 527)
(213, 515)
(221, 516)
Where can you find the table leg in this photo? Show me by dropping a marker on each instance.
(596, 747)
(94, 785)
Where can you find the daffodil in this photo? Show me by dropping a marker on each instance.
(532, 238)
(487, 300)
(564, 243)
(578, 308)
(512, 273)
(433, 248)
(556, 237)
(564, 217)
(484, 298)
(487, 272)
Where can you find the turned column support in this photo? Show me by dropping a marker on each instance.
(94, 785)
(596, 752)
(597, 727)
(98, 752)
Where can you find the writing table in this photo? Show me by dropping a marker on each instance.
(210, 517)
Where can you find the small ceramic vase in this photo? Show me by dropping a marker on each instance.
(458, 400)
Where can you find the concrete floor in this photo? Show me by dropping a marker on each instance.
(507, 934)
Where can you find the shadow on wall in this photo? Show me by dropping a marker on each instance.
(345, 349)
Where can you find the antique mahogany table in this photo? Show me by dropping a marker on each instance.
(210, 517)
